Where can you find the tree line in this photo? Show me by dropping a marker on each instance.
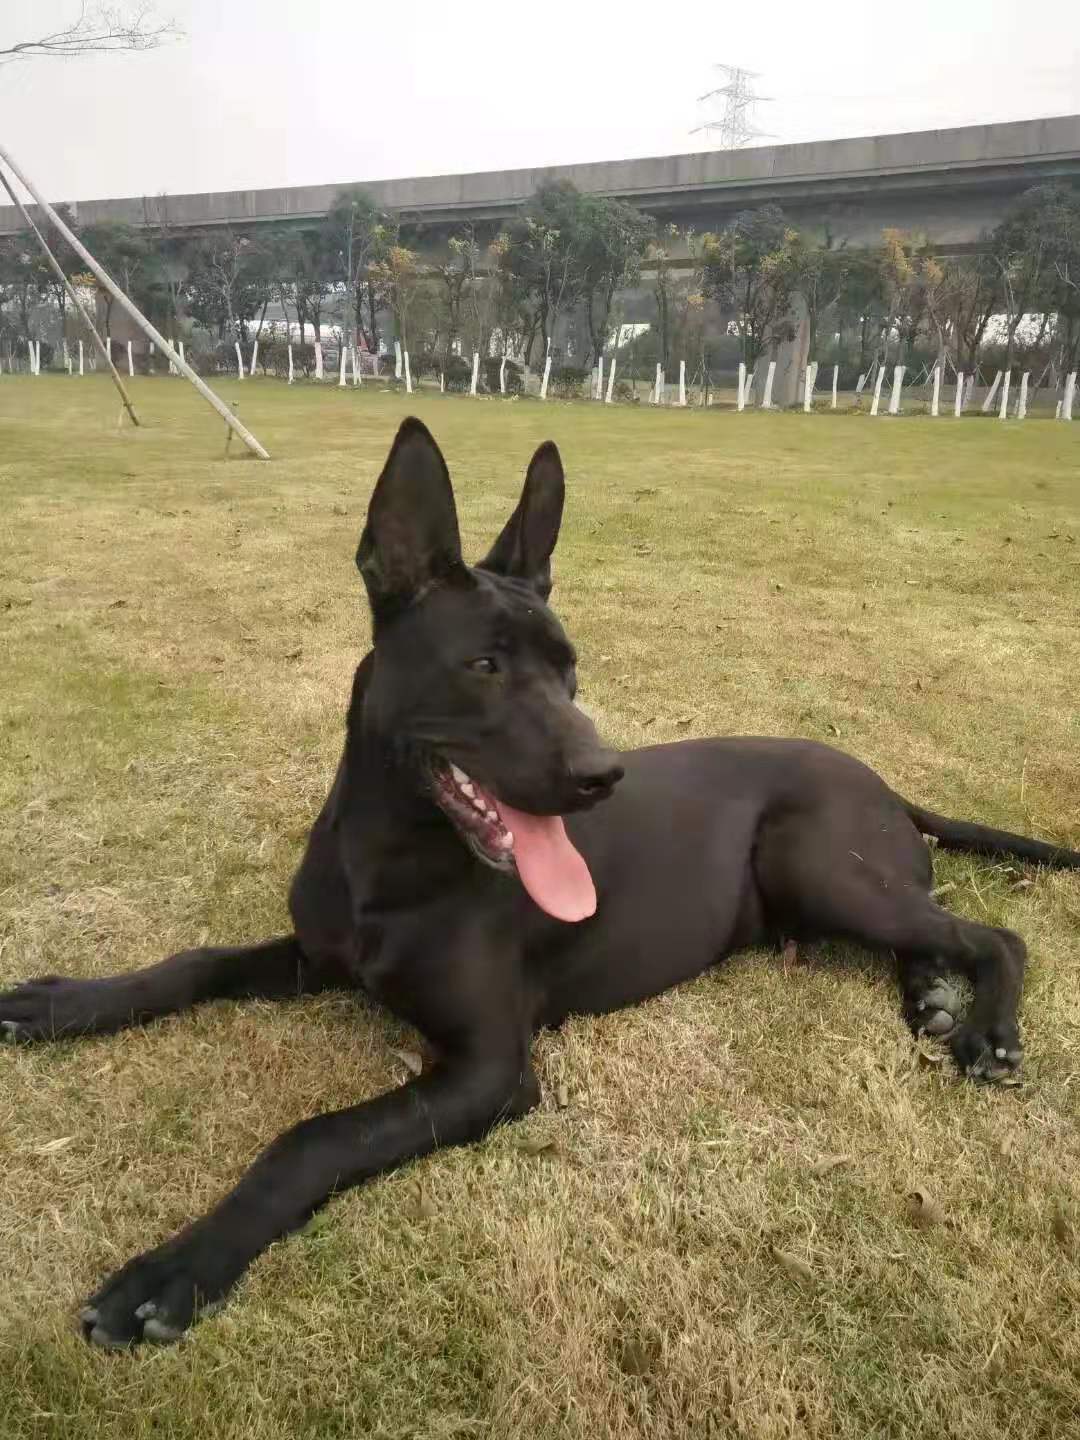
(571, 274)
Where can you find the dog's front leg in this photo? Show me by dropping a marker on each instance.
(157, 1295)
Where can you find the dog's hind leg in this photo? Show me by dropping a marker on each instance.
(54, 1007)
(867, 879)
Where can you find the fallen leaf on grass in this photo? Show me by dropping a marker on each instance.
(828, 1163)
(423, 1205)
(1061, 1225)
(639, 1357)
(548, 1146)
(928, 1057)
(54, 1145)
(792, 1266)
(410, 1059)
(923, 1210)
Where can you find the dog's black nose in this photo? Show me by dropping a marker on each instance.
(597, 782)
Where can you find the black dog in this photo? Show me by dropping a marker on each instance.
(441, 879)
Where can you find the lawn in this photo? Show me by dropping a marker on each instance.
(720, 1241)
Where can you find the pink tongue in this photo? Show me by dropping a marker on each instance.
(550, 868)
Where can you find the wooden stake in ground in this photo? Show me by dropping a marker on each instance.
(132, 310)
(57, 270)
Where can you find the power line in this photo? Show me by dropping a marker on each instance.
(734, 126)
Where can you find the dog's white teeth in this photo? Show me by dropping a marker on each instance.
(1001, 1052)
(459, 775)
(478, 802)
(506, 840)
(467, 789)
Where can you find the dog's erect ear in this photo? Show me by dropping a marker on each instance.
(411, 539)
(523, 550)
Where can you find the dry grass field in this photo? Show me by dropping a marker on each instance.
(720, 1242)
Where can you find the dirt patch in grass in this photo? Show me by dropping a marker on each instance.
(721, 1242)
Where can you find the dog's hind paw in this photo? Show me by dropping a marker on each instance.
(993, 1055)
(936, 1010)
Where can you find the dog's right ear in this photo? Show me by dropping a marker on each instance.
(411, 539)
(523, 549)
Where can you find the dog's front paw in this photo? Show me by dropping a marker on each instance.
(988, 1052)
(159, 1294)
(48, 1008)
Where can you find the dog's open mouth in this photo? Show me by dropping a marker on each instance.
(537, 846)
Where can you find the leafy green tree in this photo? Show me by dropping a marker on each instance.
(613, 241)
(359, 237)
(749, 271)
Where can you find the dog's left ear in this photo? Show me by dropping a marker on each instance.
(523, 550)
(411, 538)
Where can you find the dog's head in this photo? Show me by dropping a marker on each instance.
(474, 677)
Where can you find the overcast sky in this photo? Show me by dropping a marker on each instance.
(276, 92)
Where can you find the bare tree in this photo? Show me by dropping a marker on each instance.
(98, 29)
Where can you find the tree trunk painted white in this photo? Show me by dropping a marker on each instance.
(1070, 395)
(68, 366)
(770, 376)
(1003, 412)
(442, 382)
(682, 382)
(183, 357)
(82, 360)
(862, 382)
(835, 382)
(990, 397)
(354, 360)
(1021, 404)
(131, 360)
(67, 357)
(547, 377)
(290, 363)
(502, 376)
(239, 362)
(655, 397)
(397, 359)
(525, 381)
(897, 385)
(318, 361)
(749, 388)
(37, 357)
(375, 366)
(876, 402)
(808, 389)
(740, 395)
(935, 399)
(343, 357)
(254, 357)
(475, 372)
(958, 404)
(600, 378)
(610, 382)
(408, 372)
(663, 387)
(594, 385)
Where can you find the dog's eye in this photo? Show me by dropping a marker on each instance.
(484, 666)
